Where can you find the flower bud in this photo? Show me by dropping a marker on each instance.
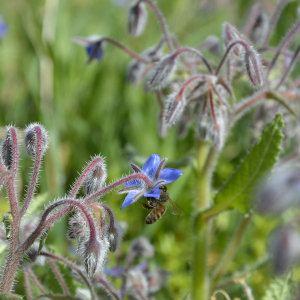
(184, 123)
(156, 279)
(114, 239)
(142, 247)
(137, 18)
(174, 108)
(279, 191)
(136, 284)
(7, 151)
(30, 139)
(75, 233)
(91, 256)
(253, 68)
(163, 70)
(285, 248)
(230, 33)
(137, 70)
(260, 25)
(95, 179)
(212, 44)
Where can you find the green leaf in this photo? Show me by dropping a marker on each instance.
(4, 296)
(43, 240)
(7, 220)
(281, 289)
(38, 203)
(238, 191)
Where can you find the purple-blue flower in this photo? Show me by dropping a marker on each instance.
(3, 28)
(94, 46)
(153, 169)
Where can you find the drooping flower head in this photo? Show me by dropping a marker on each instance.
(94, 46)
(153, 169)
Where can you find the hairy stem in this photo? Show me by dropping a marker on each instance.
(36, 281)
(162, 22)
(231, 250)
(36, 169)
(59, 276)
(108, 286)
(74, 267)
(273, 20)
(27, 285)
(228, 50)
(201, 229)
(126, 50)
(197, 53)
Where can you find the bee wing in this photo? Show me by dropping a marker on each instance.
(174, 208)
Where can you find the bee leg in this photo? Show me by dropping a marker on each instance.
(145, 206)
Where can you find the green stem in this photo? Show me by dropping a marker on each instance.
(201, 230)
(231, 250)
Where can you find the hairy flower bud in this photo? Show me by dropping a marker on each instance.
(75, 233)
(163, 70)
(31, 140)
(156, 279)
(253, 68)
(142, 247)
(230, 33)
(137, 284)
(260, 25)
(95, 179)
(184, 123)
(7, 151)
(174, 108)
(114, 239)
(137, 18)
(285, 248)
(279, 191)
(212, 44)
(91, 256)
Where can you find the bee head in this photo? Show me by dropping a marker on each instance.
(163, 188)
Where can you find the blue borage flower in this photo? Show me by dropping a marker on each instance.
(94, 46)
(153, 168)
(3, 28)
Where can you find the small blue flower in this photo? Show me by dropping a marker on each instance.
(94, 46)
(153, 169)
(3, 28)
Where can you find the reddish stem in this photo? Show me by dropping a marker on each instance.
(162, 22)
(288, 69)
(187, 83)
(212, 108)
(36, 281)
(228, 50)
(284, 44)
(74, 267)
(41, 226)
(27, 285)
(84, 174)
(36, 169)
(273, 20)
(126, 50)
(59, 276)
(197, 53)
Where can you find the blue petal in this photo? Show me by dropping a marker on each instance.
(99, 51)
(129, 199)
(3, 27)
(117, 271)
(154, 194)
(151, 165)
(170, 175)
(134, 182)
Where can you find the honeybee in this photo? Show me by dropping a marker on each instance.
(158, 209)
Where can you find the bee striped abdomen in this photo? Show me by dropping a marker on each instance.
(156, 214)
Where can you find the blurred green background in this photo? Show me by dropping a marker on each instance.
(90, 109)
